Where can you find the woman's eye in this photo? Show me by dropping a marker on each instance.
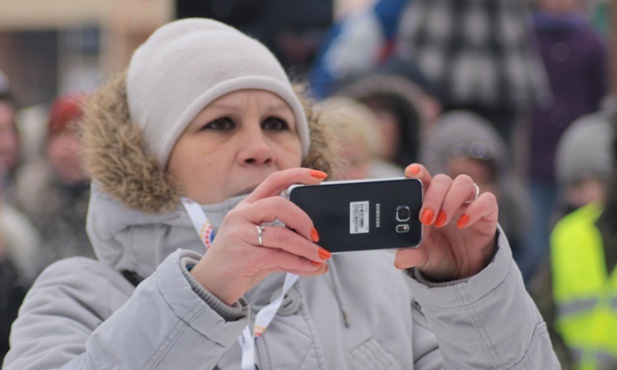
(275, 124)
(220, 124)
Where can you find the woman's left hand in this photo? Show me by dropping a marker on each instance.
(459, 236)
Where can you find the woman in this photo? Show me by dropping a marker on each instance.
(207, 113)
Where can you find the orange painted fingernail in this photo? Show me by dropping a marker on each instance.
(316, 263)
(441, 219)
(324, 254)
(415, 169)
(462, 222)
(427, 216)
(318, 174)
(314, 235)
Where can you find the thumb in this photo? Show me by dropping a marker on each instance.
(410, 257)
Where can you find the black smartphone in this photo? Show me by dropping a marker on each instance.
(361, 215)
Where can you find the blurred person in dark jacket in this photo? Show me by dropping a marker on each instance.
(576, 63)
(54, 190)
(292, 29)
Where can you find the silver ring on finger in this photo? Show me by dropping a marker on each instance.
(476, 195)
(260, 232)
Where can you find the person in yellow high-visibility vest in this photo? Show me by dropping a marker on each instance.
(584, 290)
(580, 305)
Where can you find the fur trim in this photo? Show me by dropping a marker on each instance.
(321, 155)
(115, 155)
(116, 158)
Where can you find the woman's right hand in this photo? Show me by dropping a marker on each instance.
(236, 261)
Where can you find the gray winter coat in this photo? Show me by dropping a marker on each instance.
(363, 314)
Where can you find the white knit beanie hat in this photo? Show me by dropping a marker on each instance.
(187, 64)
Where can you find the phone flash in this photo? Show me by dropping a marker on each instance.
(402, 228)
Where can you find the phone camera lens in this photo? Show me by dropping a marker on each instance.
(402, 213)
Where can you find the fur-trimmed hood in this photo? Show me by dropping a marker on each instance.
(135, 218)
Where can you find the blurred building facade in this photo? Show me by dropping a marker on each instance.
(52, 48)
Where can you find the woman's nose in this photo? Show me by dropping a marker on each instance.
(256, 149)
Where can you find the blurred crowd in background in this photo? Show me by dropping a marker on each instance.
(515, 94)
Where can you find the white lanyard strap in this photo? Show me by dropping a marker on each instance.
(266, 314)
(262, 320)
(200, 222)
